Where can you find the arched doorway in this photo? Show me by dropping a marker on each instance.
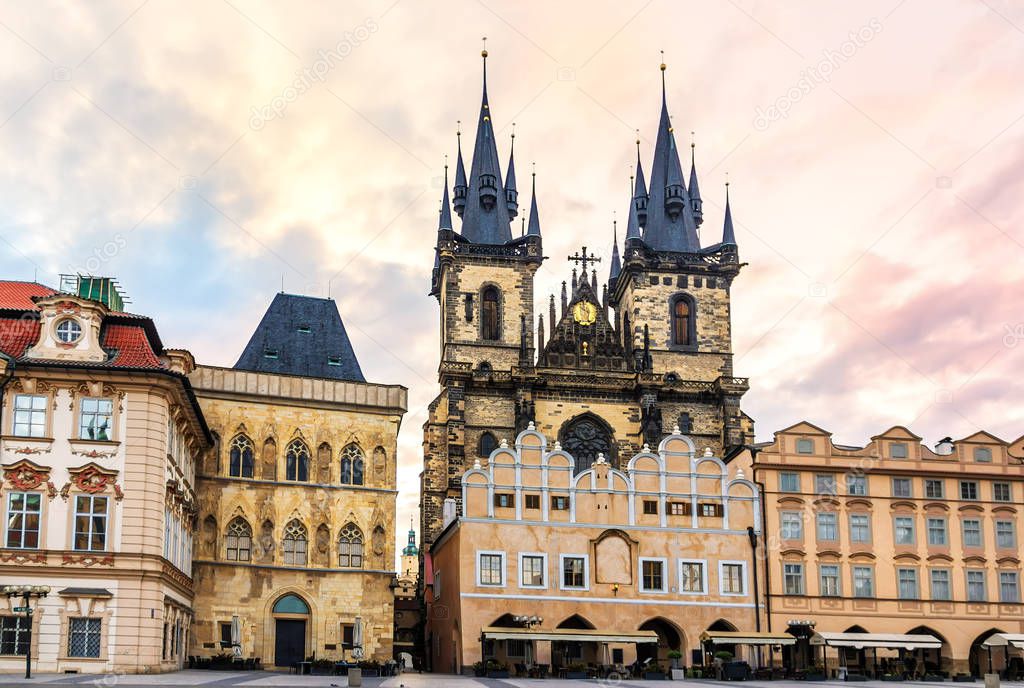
(981, 660)
(670, 639)
(852, 657)
(569, 652)
(711, 650)
(937, 659)
(291, 618)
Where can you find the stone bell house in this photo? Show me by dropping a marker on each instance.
(296, 534)
(100, 435)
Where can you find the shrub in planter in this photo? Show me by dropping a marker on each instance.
(675, 658)
(576, 671)
(479, 669)
(653, 672)
(724, 655)
(323, 667)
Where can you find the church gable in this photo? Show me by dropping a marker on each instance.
(584, 338)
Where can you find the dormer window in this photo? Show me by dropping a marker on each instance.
(270, 353)
(898, 450)
(304, 329)
(68, 331)
(334, 360)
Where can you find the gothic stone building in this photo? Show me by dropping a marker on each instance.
(297, 499)
(606, 370)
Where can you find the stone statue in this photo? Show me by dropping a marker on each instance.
(321, 552)
(208, 540)
(267, 545)
(269, 460)
(380, 463)
(323, 463)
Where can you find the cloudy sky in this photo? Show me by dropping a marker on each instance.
(204, 151)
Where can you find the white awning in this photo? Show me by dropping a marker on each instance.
(1004, 639)
(578, 634)
(740, 638)
(886, 640)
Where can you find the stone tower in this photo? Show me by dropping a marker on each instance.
(607, 368)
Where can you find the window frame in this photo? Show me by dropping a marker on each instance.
(502, 570)
(804, 443)
(980, 530)
(664, 575)
(561, 571)
(33, 411)
(92, 515)
(703, 563)
(896, 530)
(866, 525)
(819, 478)
(486, 289)
(985, 452)
(22, 637)
(819, 526)
(543, 570)
(24, 513)
(982, 576)
(794, 571)
(1012, 533)
(931, 525)
(743, 578)
(784, 476)
(856, 485)
(856, 593)
(785, 532)
(838, 579)
(970, 487)
(111, 416)
(932, 482)
(902, 481)
(691, 322)
(916, 581)
(948, 583)
(904, 449)
(88, 632)
(354, 536)
(1002, 484)
(1003, 599)
(236, 540)
(293, 471)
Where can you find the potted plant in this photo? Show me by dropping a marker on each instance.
(675, 659)
(370, 667)
(323, 667)
(479, 669)
(496, 669)
(654, 672)
(815, 674)
(576, 670)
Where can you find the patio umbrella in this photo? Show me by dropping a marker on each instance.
(357, 638)
(236, 636)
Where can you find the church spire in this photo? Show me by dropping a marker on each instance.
(728, 233)
(633, 223)
(445, 221)
(670, 223)
(460, 188)
(511, 195)
(693, 190)
(616, 267)
(640, 191)
(486, 219)
(534, 228)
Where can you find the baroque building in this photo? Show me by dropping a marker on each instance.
(607, 368)
(101, 432)
(296, 524)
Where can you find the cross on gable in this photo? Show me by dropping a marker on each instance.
(584, 259)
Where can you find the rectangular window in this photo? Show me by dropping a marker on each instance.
(937, 535)
(691, 577)
(95, 418)
(983, 454)
(492, 569)
(804, 447)
(792, 525)
(825, 484)
(574, 571)
(789, 482)
(225, 634)
(84, 637)
(505, 500)
(934, 489)
(1002, 492)
(856, 485)
(827, 526)
(976, 585)
(863, 581)
(830, 581)
(653, 575)
(531, 571)
(940, 585)
(904, 526)
(860, 528)
(515, 649)
(650, 507)
(1009, 588)
(1006, 535)
(711, 510)
(902, 487)
(437, 584)
(732, 578)
(679, 508)
(24, 510)
(968, 490)
(30, 415)
(532, 501)
(90, 523)
(972, 532)
(560, 503)
(793, 579)
(897, 450)
(14, 635)
(907, 580)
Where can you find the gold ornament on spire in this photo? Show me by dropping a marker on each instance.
(483, 53)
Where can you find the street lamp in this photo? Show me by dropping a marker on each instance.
(26, 593)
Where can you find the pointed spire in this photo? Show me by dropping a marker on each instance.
(445, 221)
(534, 228)
(696, 205)
(552, 321)
(616, 268)
(565, 296)
(728, 233)
(486, 219)
(593, 281)
(640, 196)
(670, 225)
(460, 188)
(633, 222)
(540, 333)
(511, 195)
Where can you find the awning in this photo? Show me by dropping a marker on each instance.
(740, 638)
(579, 634)
(885, 640)
(1004, 639)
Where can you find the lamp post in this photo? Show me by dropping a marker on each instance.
(26, 593)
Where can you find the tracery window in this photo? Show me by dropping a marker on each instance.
(295, 542)
(297, 462)
(239, 540)
(240, 457)
(350, 547)
(584, 438)
(353, 464)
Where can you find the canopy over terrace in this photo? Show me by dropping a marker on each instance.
(740, 638)
(892, 641)
(576, 634)
(1004, 640)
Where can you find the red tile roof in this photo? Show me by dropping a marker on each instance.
(17, 334)
(18, 295)
(130, 347)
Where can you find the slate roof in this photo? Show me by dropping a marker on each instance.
(301, 335)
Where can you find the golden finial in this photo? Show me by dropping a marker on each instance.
(693, 140)
(637, 136)
(513, 130)
(483, 53)
(670, 127)
(663, 60)
(727, 180)
(458, 127)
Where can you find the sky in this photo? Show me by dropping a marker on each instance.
(205, 153)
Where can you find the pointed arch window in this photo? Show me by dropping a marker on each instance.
(584, 438)
(488, 443)
(240, 457)
(239, 540)
(490, 323)
(350, 547)
(682, 313)
(295, 542)
(353, 464)
(297, 462)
